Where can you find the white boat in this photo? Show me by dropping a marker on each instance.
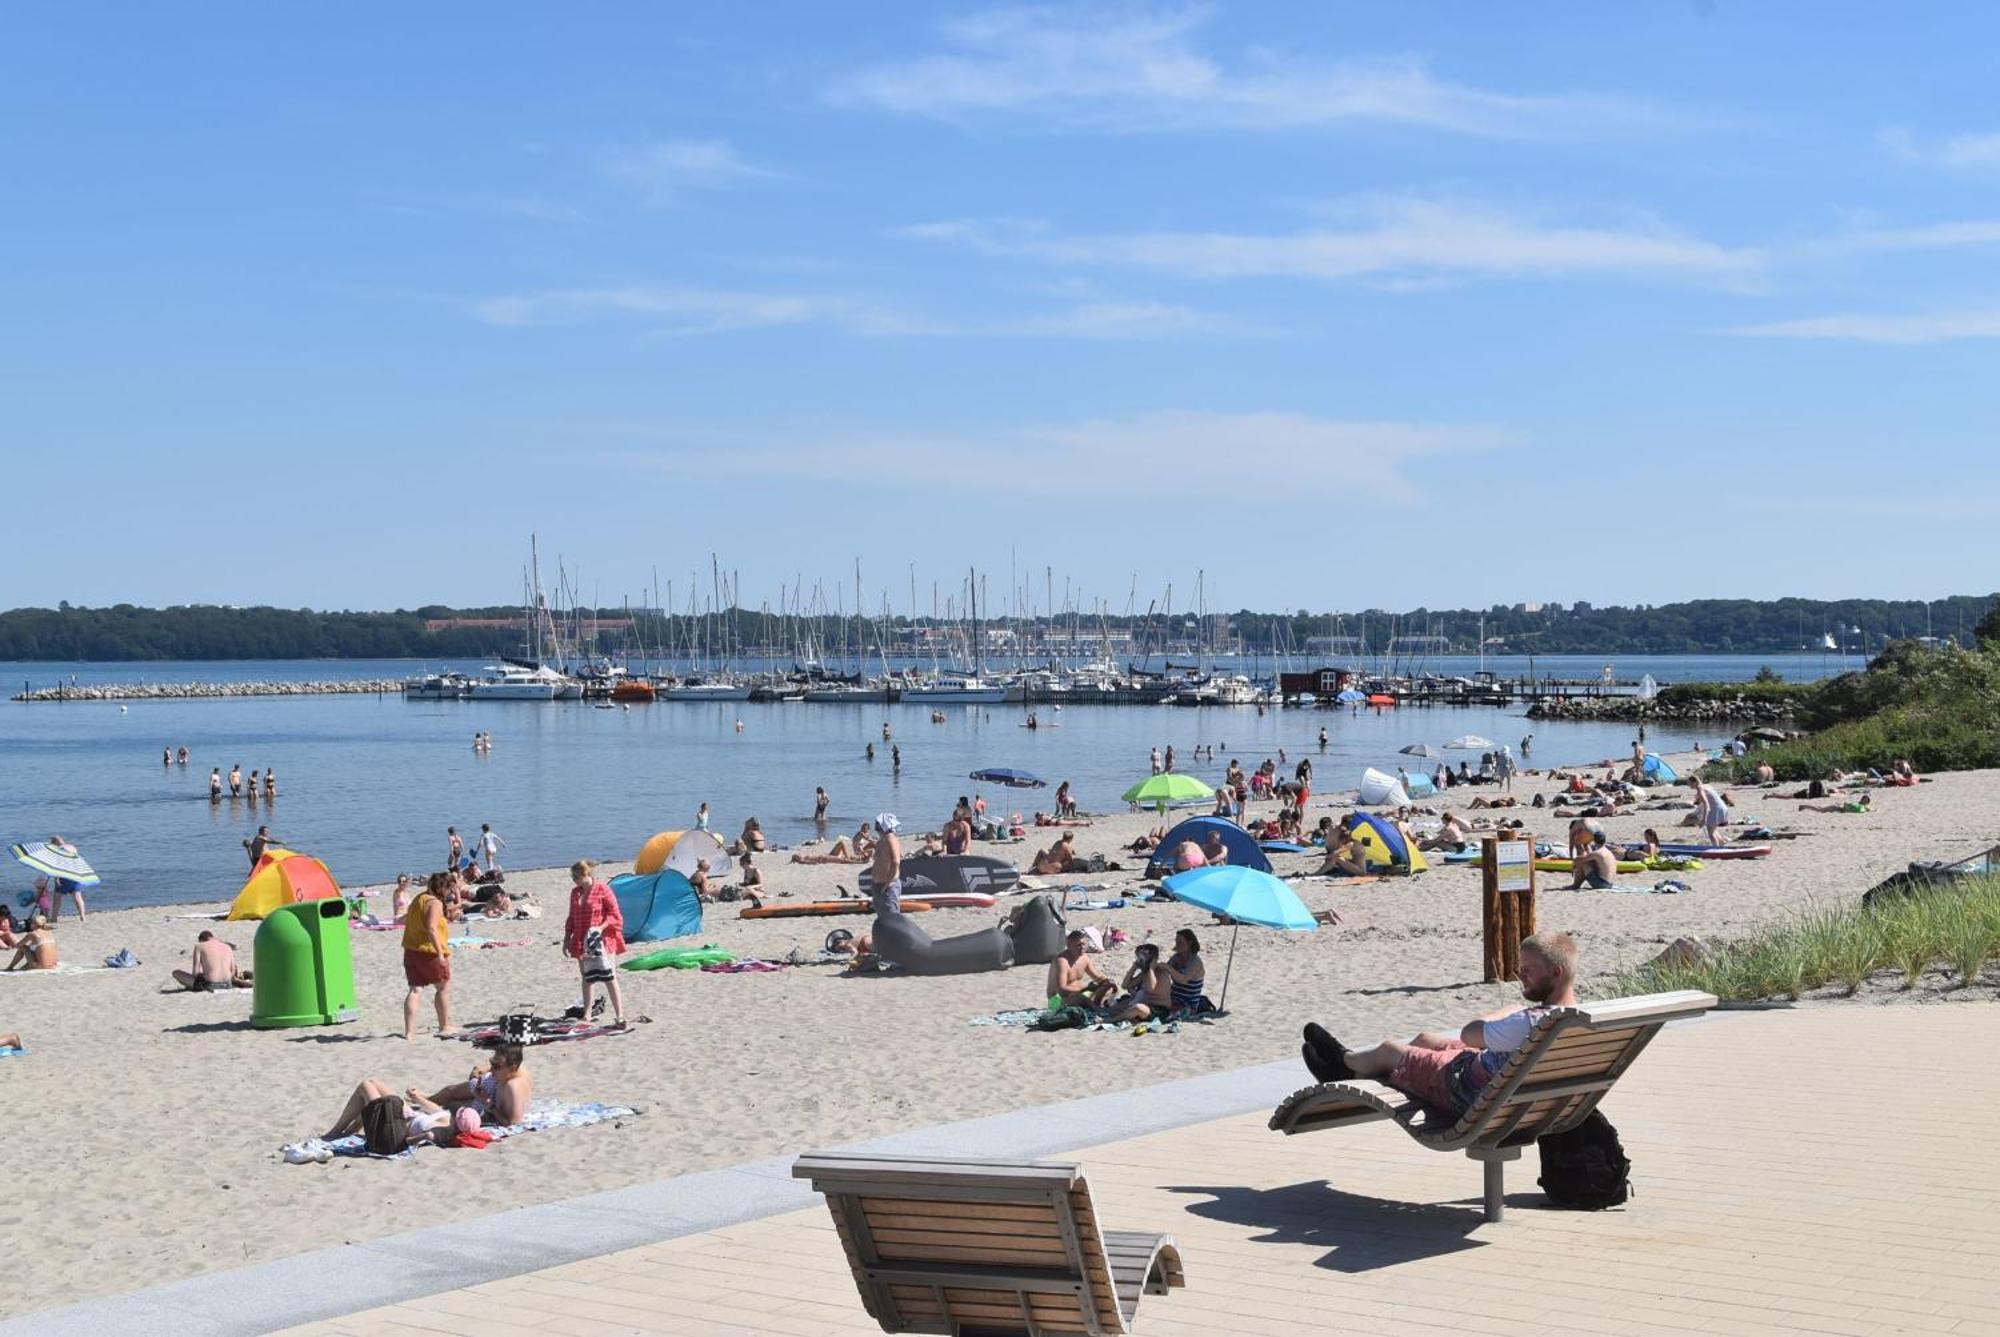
(513, 684)
(850, 694)
(960, 688)
(437, 687)
(694, 689)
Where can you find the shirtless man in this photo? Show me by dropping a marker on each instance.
(1214, 850)
(1075, 978)
(699, 881)
(1057, 858)
(213, 967)
(236, 780)
(1596, 868)
(1343, 856)
(885, 872)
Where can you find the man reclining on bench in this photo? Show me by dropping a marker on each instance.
(1449, 1072)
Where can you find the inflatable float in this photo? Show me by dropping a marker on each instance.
(679, 958)
(850, 906)
(1032, 935)
(1670, 863)
(926, 875)
(1717, 851)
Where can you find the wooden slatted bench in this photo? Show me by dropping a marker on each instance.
(1573, 1056)
(976, 1247)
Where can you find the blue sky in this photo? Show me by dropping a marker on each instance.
(1340, 305)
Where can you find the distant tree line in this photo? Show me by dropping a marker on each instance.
(1746, 626)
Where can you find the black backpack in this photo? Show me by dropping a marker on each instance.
(385, 1127)
(1586, 1168)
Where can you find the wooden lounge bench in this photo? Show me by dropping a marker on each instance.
(969, 1247)
(1571, 1059)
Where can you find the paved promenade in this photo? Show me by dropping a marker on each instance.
(1798, 1172)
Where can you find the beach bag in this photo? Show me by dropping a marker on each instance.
(1586, 1168)
(385, 1127)
(517, 1028)
(1063, 1019)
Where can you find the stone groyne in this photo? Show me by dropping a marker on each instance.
(188, 691)
(1632, 709)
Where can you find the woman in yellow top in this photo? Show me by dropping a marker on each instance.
(427, 955)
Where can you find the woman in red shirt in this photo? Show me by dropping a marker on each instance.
(593, 934)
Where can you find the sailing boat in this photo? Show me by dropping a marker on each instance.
(960, 688)
(528, 679)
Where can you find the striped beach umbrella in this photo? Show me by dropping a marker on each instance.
(56, 859)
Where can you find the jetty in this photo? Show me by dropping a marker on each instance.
(205, 691)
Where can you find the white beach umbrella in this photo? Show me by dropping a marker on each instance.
(1470, 742)
(57, 859)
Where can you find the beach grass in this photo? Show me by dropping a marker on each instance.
(1954, 927)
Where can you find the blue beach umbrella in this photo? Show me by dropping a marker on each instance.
(1000, 775)
(57, 860)
(1348, 696)
(1245, 896)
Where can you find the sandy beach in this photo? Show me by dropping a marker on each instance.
(155, 1116)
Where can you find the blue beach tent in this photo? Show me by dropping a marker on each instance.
(1658, 772)
(657, 905)
(1243, 851)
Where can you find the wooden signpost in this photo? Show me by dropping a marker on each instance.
(1507, 902)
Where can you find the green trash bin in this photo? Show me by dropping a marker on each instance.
(305, 966)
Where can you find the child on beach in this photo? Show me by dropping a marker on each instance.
(593, 934)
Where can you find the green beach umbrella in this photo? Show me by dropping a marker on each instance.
(1171, 787)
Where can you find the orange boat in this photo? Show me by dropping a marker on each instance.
(632, 689)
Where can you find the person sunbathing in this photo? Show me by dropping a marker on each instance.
(859, 849)
(1148, 989)
(1596, 868)
(1057, 858)
(1074, 978)
(1648, 846)
(1344, 856)
(12, 1040)
(497, 1091)
(425, 1121)
(751, 840)
(1451, 836)
(212, 967)
(1449, 1072)
(35, 949)
(1506, 801)
(1859, 803)
(1149, 842)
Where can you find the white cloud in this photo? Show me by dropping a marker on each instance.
(669, 168)
(1122, 68)
(1962, 152)
(1922, 237)
(1151, 454)
(1927, 328)
(1397, 238)
(690, 311)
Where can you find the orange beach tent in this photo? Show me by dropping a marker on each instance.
(280, 878)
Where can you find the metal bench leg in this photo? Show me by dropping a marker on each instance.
(1495, 1159)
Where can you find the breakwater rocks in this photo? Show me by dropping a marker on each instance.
(185, 691)
(1634, 710)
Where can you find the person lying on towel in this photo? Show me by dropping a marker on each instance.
(1450, 1071)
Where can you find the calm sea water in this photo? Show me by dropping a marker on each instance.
(369, 784)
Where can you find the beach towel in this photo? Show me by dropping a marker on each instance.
(9, 1051)
(64, 969)
(542, 1117)
(548, 1030)
(1022, 1018)
(743, 967)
